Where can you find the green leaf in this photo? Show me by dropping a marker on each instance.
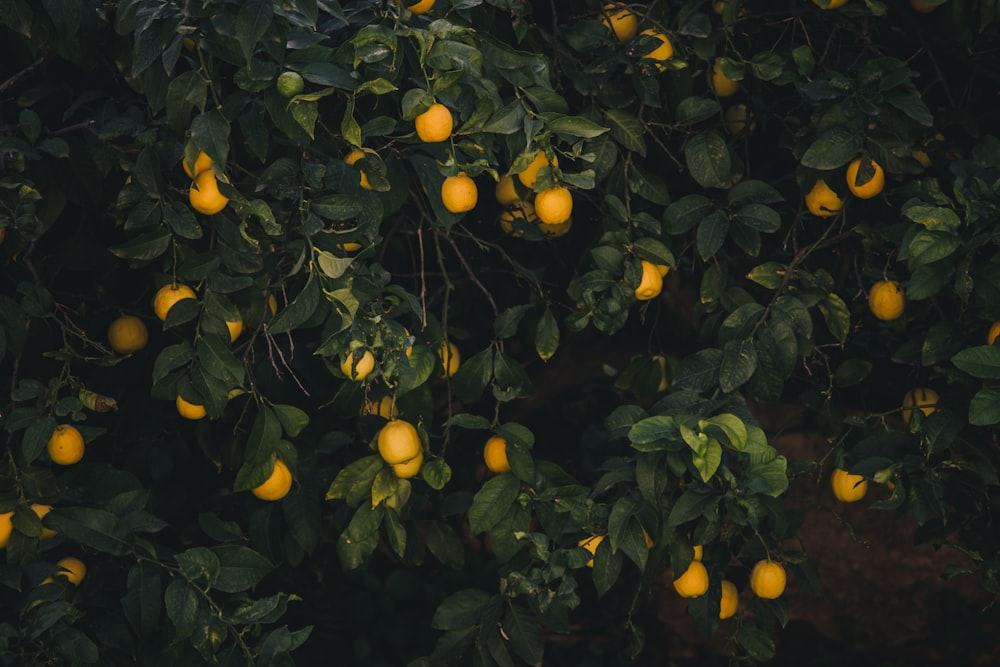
(832, 149)
(726, 428)
(693, 110)
(654, 433)
(984, 410)
(492, 501)
(707, 463)
(626, 130)
(761, 217)
(252, 23)
(91, 527)
(982, 361)
(852, 372)
(460, 610)
(299, 310)
(654, 251)
(292, 419)
(36, 438)
(547, 335)
(755, 642)
(575, 126)
(147, 246)
(770, 478)
(739, 361)
(836, 315)
(768, 274)
(933, 218)
(691, 505)
(354, 481)
(356, 544)
(465, 420)
(712, 233)
(708, 159)
(524, 633)
(181, 601)
(210, 133)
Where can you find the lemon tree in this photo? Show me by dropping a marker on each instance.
(243, 244)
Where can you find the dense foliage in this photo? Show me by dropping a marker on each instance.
(619, 353)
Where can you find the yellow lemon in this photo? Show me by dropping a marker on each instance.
(663, 52)
(651, 284)
(204, 195)
(620, 20)
(459, 194)
(522, 211)
(450, 358)
(65, 447)
(398, 442)
(555, 231)
(869, 188)
(994, 332)
(730, 601)
(720, 83)
(505, 191)
(435, 124)
(738, 120)
(168, 295)
(530, 174)
(421, 7)
(693, 582)
(201, 163)
(128, 334)
(922, 399)
(822, 201)
(408, 469)
(41, 510)
(6, 528)
(848, 488)
(590, 544)
(235, 329)
(188, 410)
(768, 579)
(277, 485)
(886, 300)
(365, 365)
(385, 408)
(495, 455)
(554, 205)
(356, 155)
(71, 569)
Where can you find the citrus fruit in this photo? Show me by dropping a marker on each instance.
(235, 329)
(71, 569)
(694, 582)
(555, 231)
(350, 246)
(66, 445)
(922, 399)
(530, 173)
(128, 334)
(421, 7)
(768, 579)
(869, 188)
(359, 371)
(922, 7)
(384, 407)
(290, 84)
(736, 119)
(6, 528)
(201, 163)
(522, 211)
(886, 300)
(435, 124)
(699, 552)
(620, 20)
(848, 488)
(590, 544)
(554, 205)
(922, 157)
(505, 191)
(822, 201)
(664, 51)
(408, 469)
(191, 411)
(41, 510)
(272, 304)
(651, 283)
(495, 455)
(168, 295)
(398, 442)
(459, 193)
(730, 601)
(834, 4)
(720, 84)
(356, 155)
(204, 195)
(664, 381)
(450, 358)
(277, 485)
(994, 332)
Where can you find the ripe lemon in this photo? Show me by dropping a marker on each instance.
(886, 300)
(620, 20)
(356, 155)
(408, 469)
(290, 84)
(822, 201)
(554, 205)
(71, 569)
(869, 188)
(722, 85)
(737, 120)
(848, 488)
(359, 371)
(421, 7)
(694, 582)
(398, 442)
(530, 173)
(128, 334)
(651, 283)
(665, 50)
(730, 601)
(495, 455)
(922, 157)
(235, 329)
(41, 510)
(277, 485)
(994, 332)
(6, 528)
(834, 4)
(191, 411)
(768, 579)
(384, 407)
(555, 231)
(699, 551)
(204, 195)
(459, 193)
(922, 7)
(450, 358)
(350, 246)
(590, 544)
(168, 295)
(435, 124)
(522, 211)
(201, 163)
(505, 191)
(922, 399)
(66, 445)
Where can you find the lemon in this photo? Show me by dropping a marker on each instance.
(41, 510)
(65, 447)
(720, 84)
(450, 358)
(530, 173)
(620, 20)
(168, 295)
(993, 333)
(505, 191)
(459, 194)
(290, 84)
(495, 455)
(521, 211)
(922, 399)
(71, 569)
(277, 485)
(361, 370)
(693, 582)
(188, 410)
(699, 552)
(651, 284)
(555, 231)
(421, 7)
(6, 528)
(554, 205)
(848, 488)
(385, 408)
(738, 120)
(663, 52)
(408, 469)
(235, 329)
(768, 579)
(356, 155)
(730, 601)
(398, 442)
(204, 195)
(201, 163)
(886, 300)
(869, 188)
(435, 124)
(822, 201)
(590, 544)
(128, 334)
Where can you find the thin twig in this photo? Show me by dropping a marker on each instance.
(17, 76)
(472, 275)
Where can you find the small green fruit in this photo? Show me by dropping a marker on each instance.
(290, 84)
